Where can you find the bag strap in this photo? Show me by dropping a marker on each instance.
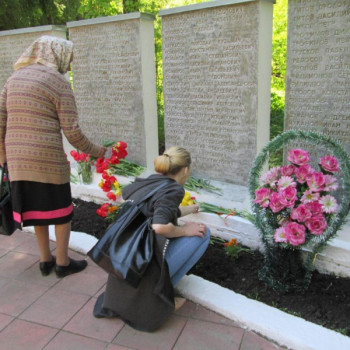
(150, 194)
(4, 171)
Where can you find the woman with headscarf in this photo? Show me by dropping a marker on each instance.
(36, 104)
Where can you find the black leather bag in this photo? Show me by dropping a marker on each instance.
(7, 224)
(126, 248)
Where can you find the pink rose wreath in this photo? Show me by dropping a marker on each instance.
(298, 208)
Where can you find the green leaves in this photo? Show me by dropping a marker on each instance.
(195, 184)
(212, 208)
(127, 168)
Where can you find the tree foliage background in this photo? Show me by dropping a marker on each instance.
(30, 13)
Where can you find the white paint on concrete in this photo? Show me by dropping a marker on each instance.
(285, 329)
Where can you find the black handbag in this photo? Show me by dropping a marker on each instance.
(126, 248)
(7, 224)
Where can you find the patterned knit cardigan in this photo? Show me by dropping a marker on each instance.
(36, 103)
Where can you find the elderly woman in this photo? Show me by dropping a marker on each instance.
(177, 248)
(36, 104)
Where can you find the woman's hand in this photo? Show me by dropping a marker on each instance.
(189, 209)
(102, 152)
(194, 229)
(172, 231)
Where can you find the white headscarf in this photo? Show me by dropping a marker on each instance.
(47, 50)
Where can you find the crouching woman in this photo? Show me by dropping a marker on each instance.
(176, 250)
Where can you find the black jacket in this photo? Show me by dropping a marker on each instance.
(152, 302)
(164, 205)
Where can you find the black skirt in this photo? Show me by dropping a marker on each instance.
(36, 203)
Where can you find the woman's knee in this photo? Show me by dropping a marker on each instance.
(206, 237)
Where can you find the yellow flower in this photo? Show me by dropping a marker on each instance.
(187, 200)
(118, 192)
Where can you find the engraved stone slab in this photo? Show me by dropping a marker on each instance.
(14, 42)
(114, 82)
(318, 68)
(216, 65)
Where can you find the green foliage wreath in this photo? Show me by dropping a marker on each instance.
(275, 251)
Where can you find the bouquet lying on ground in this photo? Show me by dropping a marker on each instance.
(215, 209)
(297, 198)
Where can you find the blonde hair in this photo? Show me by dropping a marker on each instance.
(172, 161)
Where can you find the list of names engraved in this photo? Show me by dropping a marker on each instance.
(108, 85)
(210, 88)
(318, 68)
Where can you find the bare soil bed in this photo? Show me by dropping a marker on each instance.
(326, 302)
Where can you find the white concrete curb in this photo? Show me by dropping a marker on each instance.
(285, 329)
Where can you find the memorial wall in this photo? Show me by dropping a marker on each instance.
(114, 82)
(216, 66)
(318, 68)
(14, 42)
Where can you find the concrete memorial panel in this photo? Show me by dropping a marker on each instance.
(14, 42)
(318, 68)
(216, 65)
(114, 82)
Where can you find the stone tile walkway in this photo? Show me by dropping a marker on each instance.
(49, 313)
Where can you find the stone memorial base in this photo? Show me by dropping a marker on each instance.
(334, 259)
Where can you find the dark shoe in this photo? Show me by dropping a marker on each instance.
(73, 267)
(47, 266)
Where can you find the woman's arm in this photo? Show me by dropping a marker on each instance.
(189, 209)
(188, 229)
(69, 121)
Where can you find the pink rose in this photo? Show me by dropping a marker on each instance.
(303, 172)
(287, 170)
(262, 196)
(295, 233)
(275, 202)
(315, 207)
(316, 225)
(279, 235)
(288, 196)
(330, 164)
(316, 182)
(298, 157)
(301, 213)
(330, 183)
